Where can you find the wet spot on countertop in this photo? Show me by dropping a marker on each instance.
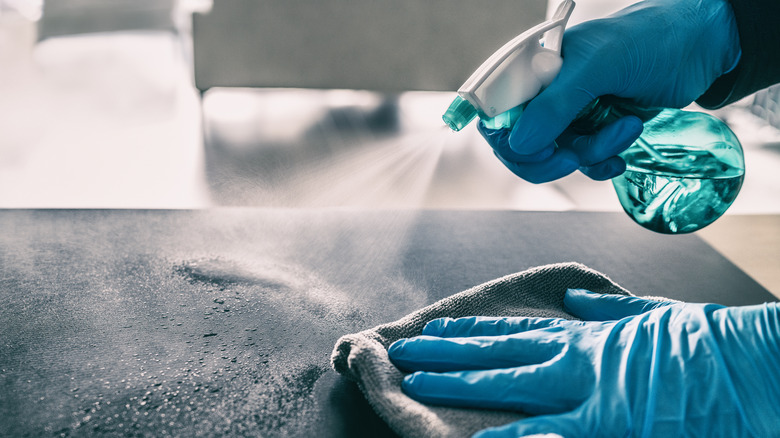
(223, 273)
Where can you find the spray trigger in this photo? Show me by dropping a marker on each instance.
(514, 74)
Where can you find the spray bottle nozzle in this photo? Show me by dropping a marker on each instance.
(459, 114)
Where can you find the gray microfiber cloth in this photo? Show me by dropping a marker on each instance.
(363, 358)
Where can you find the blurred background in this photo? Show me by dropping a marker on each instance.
(193, 104)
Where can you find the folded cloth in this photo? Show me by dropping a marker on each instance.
(363, 358)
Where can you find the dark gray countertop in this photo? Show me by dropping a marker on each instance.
(222, 321)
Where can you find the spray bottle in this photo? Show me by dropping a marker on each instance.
(683, 172)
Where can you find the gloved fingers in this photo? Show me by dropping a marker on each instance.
(561, 163)
(535, 389)
(590, 306)
(567, 425)
(490, 326)
(607, 142)
(547, 115)
(428, 353)
(607, 169)
(498, 139)
(597, 153)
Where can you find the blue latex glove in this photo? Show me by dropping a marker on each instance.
(658, 53)
(632, 367)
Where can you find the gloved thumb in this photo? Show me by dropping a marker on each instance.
(567, 425)
(590, 306)
(547, 115)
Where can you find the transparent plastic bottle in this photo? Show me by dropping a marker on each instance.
(683, 172)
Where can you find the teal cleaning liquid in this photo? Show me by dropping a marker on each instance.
(682, 174)
(671, 200)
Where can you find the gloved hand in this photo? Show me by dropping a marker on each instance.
(658, 53)
(632, 367)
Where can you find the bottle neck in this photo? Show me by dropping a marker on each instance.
(606, 109)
